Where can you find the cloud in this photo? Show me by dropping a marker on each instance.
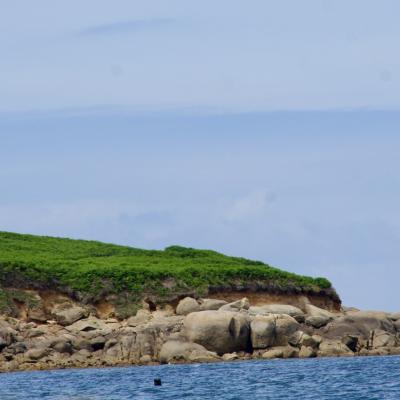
(126, 27)
(249, 206)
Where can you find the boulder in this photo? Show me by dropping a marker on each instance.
(263, 331)
(146, 359)
(230, 357)
(141, 317)
(383, 339)
(352, 342)
(358, 324)
(286, 326)
(187, 305)
(272, 330)
(90, 324)
(8, 334)
(242, 304)
(394, 316)
(293, 311)
(219, 331)
(317, 317)
(397, 325)
(176, 351)
(281, 352)
(329, 348)
(62, 345)
(70, 315)
(3, 344)
(311, 341)
(97, 343)
(317, 321)
(211, 304)
(307, 352)
(37, 354)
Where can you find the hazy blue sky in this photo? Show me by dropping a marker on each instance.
(263, 129)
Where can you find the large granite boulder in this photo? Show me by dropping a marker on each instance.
(394, 316)
(272, 330)
(281, 352)
(380, 338)
(293, 311)
(177, 351)
(242, 304)
(88, 325)
(187, 305)
(317, 317)
(263, 331)
(219, 331)
(286, 326)
(331, 348)
(142, 316)
(359, 324)
(307, 352)
(211, 304)
(70, 315)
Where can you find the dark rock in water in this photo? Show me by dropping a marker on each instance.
(157, 382)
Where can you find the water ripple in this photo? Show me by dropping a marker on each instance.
(328, 378)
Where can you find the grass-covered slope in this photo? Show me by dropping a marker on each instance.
(93, 268)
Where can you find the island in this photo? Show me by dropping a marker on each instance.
(78, 303)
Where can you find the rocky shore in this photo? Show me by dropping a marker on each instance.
(196, 330)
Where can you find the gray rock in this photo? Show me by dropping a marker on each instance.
(397, 325)
(358, 324)
(70, 315)
(90, 324)
(287, 309)
(187, 305)
(263, 331)
(281, 352)
(37, 354)
(286, 326)
(146, 359)
(242, 304)
(273, 330)
(8, 334)
(314, 311)
(329, 348)
(219, 331)
(383, 339)
(62, 345)
(311, 341)
(307, 352)
(175, 351)
(352, 342)
(394, 316)
(97, 343)
(317, 321)
(230, 357)
(211, 304)
(141, 317)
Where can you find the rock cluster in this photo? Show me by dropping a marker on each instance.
(204, 330)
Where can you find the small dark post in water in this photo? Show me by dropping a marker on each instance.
(157, 382)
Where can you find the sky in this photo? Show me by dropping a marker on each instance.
(268, 130)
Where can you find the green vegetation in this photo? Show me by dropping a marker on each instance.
(95, 268)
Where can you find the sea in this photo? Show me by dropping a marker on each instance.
(319, 378)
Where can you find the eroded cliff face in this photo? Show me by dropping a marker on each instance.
(196, 330)
(39, 305)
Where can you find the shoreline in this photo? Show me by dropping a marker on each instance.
(158, 364)
(196, 331)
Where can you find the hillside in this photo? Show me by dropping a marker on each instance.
(90, 271)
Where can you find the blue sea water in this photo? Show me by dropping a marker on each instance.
(322, 378)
